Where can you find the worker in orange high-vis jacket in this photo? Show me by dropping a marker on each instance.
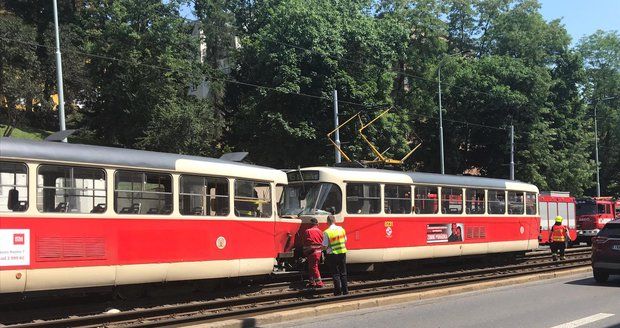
(558, 238)
(334, 239)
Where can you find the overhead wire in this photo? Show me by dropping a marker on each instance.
(398, 71)
(232, 81)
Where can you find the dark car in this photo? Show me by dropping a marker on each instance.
(606, 251)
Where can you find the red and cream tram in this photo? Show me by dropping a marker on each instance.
(394, 216)
(82, 216)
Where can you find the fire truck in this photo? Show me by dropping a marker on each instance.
(552, 204)
(592, 214)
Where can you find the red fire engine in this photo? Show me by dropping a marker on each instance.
(552, 204)
(592, 214)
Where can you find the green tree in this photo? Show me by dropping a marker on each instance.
(601, 53)
(36, 16)
(146, 61)
(19, 71)
(309, 47)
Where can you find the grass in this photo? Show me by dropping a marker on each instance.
(26, 133)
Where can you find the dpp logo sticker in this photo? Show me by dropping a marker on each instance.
(19, 239)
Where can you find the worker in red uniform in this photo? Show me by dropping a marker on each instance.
(312, 242)
(558, 238)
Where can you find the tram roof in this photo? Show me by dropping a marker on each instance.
(388, 176)
(121, 157)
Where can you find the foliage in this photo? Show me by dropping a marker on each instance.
(129, 64)
(142, 75)
(601, 54)
(336, 46)
(18, 73)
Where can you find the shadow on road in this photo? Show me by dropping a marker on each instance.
(613, 281)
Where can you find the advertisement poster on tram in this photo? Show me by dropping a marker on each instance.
(14, 247)
(444, 232)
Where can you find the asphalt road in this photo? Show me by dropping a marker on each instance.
(575, 301)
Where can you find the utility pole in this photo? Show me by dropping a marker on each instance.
(512, 152)
(61, 96)
(337, 134)
(598, 165)
(443, 171)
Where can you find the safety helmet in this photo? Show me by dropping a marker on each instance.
(558, 219)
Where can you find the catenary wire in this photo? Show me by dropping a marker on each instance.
(247, 83)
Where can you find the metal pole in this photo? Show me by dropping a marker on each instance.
(443, 171)
(598, 180)
(61, 96)
(337, 134)
(512, 152)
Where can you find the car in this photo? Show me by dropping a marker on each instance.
(606, 252)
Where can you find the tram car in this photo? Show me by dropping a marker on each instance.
(75, 216)
(550, 205)
(398, 216)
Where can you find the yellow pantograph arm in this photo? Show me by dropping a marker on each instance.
(372, 147)
(329, 136)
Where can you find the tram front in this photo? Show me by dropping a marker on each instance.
(309, 194)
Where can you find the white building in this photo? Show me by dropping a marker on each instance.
(224, 64)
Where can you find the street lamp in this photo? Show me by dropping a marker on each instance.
(443, 171)
(598, 165)
(61, 97)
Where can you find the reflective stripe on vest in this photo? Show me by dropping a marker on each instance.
(336, 240)
(558, 233)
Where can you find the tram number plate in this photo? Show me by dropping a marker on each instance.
(615, 247)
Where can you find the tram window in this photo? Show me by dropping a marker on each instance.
(310, 198)
(515, 202)
(363, 198)
(70, 189)
(203, 196)
(13, 187)
(252, 199)
(496, 202)
(451, 200)
(530, 203)
(426, 200)
(397, 199)
(142, 193)
(474, 203)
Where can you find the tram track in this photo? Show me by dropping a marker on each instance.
(278, 296)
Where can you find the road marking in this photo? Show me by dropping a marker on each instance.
(584, 321)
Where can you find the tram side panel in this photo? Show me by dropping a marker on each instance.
(87, 252)
(376, 239)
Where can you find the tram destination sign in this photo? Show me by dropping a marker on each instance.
(295, 176)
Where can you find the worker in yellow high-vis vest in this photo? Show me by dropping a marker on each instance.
(334, 239)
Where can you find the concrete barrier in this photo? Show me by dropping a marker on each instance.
(345, 306)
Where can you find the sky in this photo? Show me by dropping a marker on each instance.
(583, 17)
(580, 17)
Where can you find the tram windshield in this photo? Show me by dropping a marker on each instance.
(310, 198)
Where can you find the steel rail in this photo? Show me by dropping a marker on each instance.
(277, 299)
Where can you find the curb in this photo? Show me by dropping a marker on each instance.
(295, 314)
